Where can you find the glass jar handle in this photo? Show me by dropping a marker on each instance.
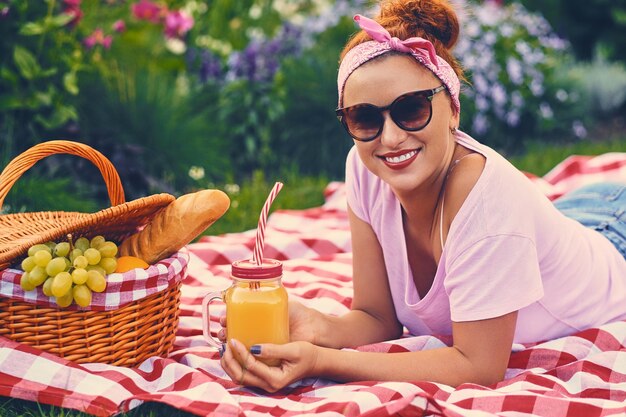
(206, 332)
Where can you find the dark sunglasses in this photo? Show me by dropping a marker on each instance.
(411, 111)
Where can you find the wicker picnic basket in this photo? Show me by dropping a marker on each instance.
(123, 337)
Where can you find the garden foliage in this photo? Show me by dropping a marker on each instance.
(182, 94)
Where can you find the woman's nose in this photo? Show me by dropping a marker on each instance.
(392, 135)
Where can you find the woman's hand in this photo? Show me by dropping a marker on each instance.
(297, 361)
(301, 324)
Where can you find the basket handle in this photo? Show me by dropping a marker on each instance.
(21, 163)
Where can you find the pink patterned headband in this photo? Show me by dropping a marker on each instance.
(421, 49)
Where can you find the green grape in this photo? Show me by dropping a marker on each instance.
(55, 266)
(82, 295)
(62, 249)
(79, 276)
(38, 275)
(75, 254)
(98, 268)
(108, 249)
(36, 248)
(82, 243)
(65, 300)
(108, 264)
(28, 264)
(50, 244)
(47, 286)
(93, 256)
(26, 283)
(81, 262)
(68, 264)
(42, 257)
(96, 241)
(62, 284)
(96, 281)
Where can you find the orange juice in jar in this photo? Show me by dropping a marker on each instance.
(256, 305)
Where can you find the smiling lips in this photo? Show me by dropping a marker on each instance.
(399, 160)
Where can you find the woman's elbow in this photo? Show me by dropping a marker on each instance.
(488, 374)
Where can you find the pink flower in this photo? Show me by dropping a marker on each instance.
(119, 26)
(147, 10)
(98, 38)
(72, 8)
(177, 23)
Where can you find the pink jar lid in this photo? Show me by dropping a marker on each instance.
(248, 269)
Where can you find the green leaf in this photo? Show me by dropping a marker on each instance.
(10, 102)
(71, 83)
(26, 63)
(7, 74)
(32, 29)
(61, 115)
(43, 99)
(60, 20)
(619, 16)
(48, 73)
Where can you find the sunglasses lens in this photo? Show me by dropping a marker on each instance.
(411, 112)
(363, 121)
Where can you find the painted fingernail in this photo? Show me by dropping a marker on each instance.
(255, 349)
(222, 349)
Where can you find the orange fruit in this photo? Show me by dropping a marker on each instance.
(126, 263)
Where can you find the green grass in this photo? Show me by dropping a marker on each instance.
(540, 158)
(247, 201)
(11, 407)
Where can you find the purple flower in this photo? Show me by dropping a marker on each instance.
(207, 65)
(260, 60)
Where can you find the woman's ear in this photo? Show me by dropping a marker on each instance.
(455, 119)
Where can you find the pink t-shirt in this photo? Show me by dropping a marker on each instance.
(508, 249)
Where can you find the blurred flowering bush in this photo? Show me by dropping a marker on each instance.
(270, 99)
(517, 90)
(592, 26)
(41, 58)
(182, 91)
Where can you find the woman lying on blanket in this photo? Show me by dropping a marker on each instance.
(448, 238)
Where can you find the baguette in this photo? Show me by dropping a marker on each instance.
(176, 225)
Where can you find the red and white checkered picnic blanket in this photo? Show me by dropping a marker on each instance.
(580, 375)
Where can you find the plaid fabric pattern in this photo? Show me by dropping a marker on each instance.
(580, 375)
(122, 289)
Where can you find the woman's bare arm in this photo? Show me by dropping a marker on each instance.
(479, 354)
(372, 317)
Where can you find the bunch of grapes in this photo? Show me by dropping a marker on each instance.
(70, 272)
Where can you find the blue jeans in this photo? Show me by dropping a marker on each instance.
(600, 206)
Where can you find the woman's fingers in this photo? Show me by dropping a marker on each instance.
(231, 364)
(249, 371)
(221, 335)
(269, 351)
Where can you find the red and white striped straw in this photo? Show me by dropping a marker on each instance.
(257, 256)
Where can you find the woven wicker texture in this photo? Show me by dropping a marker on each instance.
(20, 231)
(123, 337)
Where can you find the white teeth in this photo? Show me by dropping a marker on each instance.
(401, 158)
